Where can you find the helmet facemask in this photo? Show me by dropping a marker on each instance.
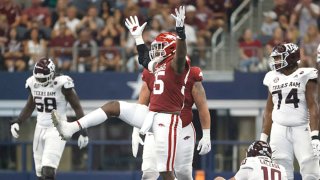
(44, 71)
(157, 51)
(277, 61)
(284, 56)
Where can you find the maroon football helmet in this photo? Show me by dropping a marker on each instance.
(259, 148)
(163, 46)
(284, 55)
(44, 71)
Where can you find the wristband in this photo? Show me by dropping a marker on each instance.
(264, 137)
(314, 135)
(180, 32)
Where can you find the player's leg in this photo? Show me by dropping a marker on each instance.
(149, 164)
(166, 129)
(281, 145)
(131, 113)
(52, 153)
(183, 164)
(309, 165)
(38, 145)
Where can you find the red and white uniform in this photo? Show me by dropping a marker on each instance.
(47, 144)
(260, 167)
(184, 155)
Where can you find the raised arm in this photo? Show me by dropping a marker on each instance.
(178, 63)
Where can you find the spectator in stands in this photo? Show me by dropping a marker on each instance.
(284, 22)
(268, 26)
(61, 43)
(72, 20)
(110, 58)
(309, 46)
(292, 35)
(112, 29)
(38, 13)
(214, 16)
(106, 10)
(59, 12)
(35, 47)
(4, 30)
(13, 55)
(11, 11)
(277, 38)
(85, 52)
(250, 51)
(92, 21)
(281, 7)
(305, 13)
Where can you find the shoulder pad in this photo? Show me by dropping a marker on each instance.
(310, 73)
(146, 75)
(64, 81)
(249, 163)
(268, 78)
(29, 82)
(196, 73)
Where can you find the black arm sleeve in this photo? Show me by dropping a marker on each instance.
(143, 55)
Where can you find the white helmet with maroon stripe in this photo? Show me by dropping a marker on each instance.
(44, 71)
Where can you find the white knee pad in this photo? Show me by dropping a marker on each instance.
(309, 169)
(150, 175)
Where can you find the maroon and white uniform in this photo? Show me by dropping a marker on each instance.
(260, 167)
(184, 156)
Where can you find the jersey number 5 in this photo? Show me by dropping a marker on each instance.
(47, 105)
(158, 86)
(291, 98)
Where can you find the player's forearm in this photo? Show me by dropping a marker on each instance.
(314, 119)
(181, 55)
(26, 111)
(143, 55)
(205, 119)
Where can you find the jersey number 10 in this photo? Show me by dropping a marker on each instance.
(273, 172)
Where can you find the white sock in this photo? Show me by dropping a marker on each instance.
(94, 118)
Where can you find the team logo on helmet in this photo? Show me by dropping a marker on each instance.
(44, 71)
(284, 56)
(259, 148)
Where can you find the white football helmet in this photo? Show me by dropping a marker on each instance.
(44, 71)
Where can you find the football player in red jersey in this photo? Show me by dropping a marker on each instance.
(194, 93)
(167, 61)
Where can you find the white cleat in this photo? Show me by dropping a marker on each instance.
(62, 126)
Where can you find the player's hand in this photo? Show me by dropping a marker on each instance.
(83, 141)
(14, 130)
(316, 147)
(136, 140)
(135, 29)
(180, 16)
(205, 143)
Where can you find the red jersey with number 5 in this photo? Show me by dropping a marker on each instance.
(167, 87)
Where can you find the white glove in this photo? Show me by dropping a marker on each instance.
(136, 140)
(135, 29)
(14, 130)
(180, 16)
(205, 142)
(316, 147)
(83, 141)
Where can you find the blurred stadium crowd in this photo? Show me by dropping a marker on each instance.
(89, 35)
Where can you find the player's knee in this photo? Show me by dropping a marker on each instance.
(150, 175)
(310, 176)
(111, 108)
(184, 173)
(48, 173)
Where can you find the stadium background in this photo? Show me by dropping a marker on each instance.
(236, 98)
